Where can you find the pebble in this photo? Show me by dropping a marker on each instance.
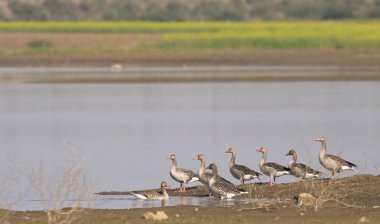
(196, 209)
(177, 215)
(305, 199)
(301, 214)
(363, 219)
(116, 67)
(376, 206)
(160, 215)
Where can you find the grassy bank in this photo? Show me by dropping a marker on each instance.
(180, 43)
(217, 35)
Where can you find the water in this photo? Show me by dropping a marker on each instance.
(125, 131)
(127, 201)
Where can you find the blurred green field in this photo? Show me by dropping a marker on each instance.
(229, 35)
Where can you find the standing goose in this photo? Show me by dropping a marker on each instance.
(154, 195)
(204, 177)
(221, 188)
(271, 169)
(183, 176)
(300, 170)
(241, 172)
(332, 162)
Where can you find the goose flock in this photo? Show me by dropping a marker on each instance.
(221, 188)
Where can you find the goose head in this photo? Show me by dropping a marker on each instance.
(231, 150)
(291, 153)
(199, 157)
(171, 157)
(165, 184)
(320, 139)
(262, 149)
(212, 167)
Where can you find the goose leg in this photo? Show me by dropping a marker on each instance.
(242, 181)
(180, 188)
(271, 180)
(333, 175)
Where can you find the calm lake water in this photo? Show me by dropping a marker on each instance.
(125, 131)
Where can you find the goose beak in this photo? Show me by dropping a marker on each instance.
(258, 149)
(168, 157)
(287, 154)
(227, 151)
(317, 139)
(196, 158)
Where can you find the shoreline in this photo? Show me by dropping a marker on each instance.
(209, 73)
(347, 200)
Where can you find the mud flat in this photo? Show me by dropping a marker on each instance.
(348, 200)
(197, 73)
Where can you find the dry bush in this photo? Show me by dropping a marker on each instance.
(64, 201)
(10, 194)
(332, 193)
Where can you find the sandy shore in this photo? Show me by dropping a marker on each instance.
(215, 73)
(346, 200)
(348, 64)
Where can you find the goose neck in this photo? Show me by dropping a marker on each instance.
(202, 168)
(174, 164)
(233, 159)
(164, 193)
(263, 158)
(323, 149)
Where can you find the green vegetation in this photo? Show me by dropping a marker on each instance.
(281, 35)
(39, 44)
(219, 35)
(185, 10)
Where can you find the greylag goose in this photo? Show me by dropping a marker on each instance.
(221, 188)
(241, 172)
(300, 170)
(332, 162)
(183, 176)
(271, 169)
(204, 177)
(154, 195)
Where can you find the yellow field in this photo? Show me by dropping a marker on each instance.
(217, 35)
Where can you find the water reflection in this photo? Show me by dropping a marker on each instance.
(127, 202)
(119, 202)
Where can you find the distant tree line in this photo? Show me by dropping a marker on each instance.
(187, 10)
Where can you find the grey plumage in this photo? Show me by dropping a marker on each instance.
(300, 170)
(153, 195)
(181, 175)
(241, 172)
(332, 162)
(220, 188)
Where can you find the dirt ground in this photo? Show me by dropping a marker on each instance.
(347, 200)
(88, 49)
(203, 57)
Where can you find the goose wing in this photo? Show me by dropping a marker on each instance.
(307, 169)
(341, 161)
(146, 194)
(245, 170)
(277, 167)
(187, 172)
